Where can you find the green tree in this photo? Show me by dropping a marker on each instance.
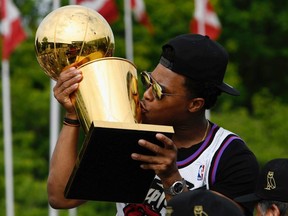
(254, 33)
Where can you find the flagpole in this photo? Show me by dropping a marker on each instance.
(13, 34)
(9, 189)
(201, 26)
(128, 30)
(54, 129)
(72, 212)
(54, 118)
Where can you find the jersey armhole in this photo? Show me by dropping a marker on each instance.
(217, 157)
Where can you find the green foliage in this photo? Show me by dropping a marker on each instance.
(265, 131)
(254, 33)
(97, 208)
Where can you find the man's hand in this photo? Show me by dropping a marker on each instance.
(67, 84)
(164, 160)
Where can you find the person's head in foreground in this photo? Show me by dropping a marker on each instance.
(271, 193)
(202, 203)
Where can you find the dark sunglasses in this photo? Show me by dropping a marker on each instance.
(157, 90)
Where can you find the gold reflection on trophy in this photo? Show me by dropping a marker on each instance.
(108, 92)
(78, 36)
(72, 35)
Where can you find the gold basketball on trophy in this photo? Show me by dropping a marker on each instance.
(72, 35)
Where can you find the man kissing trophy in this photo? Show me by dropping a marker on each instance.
(106, 103)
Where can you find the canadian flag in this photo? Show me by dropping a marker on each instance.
(107, 8)
(205, 20)
(140, 14)
(12, 30)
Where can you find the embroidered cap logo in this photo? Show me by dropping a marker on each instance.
(271, 183)
(198, 211)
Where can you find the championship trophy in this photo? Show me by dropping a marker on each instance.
(106, 102)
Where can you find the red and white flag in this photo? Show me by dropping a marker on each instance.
(205, 21)
(107, 8)
(140, 14)
(12, 30)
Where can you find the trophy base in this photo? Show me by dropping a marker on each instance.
(105, 171)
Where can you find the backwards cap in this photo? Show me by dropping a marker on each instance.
(199, 58)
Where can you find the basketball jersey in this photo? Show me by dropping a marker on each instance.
(199, 170)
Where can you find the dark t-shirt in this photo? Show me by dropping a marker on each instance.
(237, 170)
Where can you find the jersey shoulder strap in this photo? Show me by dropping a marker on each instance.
(222, 139)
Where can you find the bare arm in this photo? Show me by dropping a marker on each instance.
(65, 152)
(61, 166)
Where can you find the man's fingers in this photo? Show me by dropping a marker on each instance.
(168, 143)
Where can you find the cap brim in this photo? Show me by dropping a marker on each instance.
(247, 198)
(228, 89)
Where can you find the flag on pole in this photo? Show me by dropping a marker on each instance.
(107, 8)
(140, 14)
(12, 30)
(205, 21)
(13, 34)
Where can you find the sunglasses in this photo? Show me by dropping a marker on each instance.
(157, 90)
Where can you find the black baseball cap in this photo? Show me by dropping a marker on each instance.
(272, 183)
(199, 58)
(202, 202)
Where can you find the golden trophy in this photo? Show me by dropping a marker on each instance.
(106, 102)
(78, 36)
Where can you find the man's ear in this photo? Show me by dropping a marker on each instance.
(196, 104)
